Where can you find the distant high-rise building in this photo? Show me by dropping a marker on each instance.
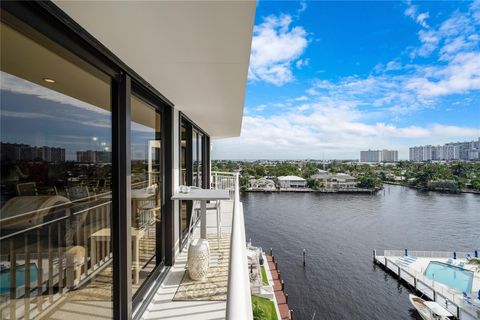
(23, 152)
(93, 156)
(449, 151)
(379, 156)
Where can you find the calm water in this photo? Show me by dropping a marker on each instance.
(340, 232)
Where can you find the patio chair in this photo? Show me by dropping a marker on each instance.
(461, 264)
(450, 261)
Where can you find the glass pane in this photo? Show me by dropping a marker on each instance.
(200, 159)
(183, 156)
(183, 178)
(146, 190)
(55, 182)
(194, 158)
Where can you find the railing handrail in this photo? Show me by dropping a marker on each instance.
(239, 303)
(427, 254)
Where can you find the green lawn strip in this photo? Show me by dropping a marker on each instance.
(263, 309)
(264, 276)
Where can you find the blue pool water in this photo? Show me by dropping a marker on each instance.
(451, 276)
(20, 277)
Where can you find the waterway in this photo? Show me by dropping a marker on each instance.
(339, 232)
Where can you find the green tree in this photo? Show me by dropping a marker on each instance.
(369, 182)
(476, 183)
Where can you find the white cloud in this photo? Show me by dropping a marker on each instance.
(461, 75)
(412, 12)
(421, 19)
(302, 63)
(275, 46)
(430, 40)
(456, 34)
(337, 118)
(330, 132)
(303, 7)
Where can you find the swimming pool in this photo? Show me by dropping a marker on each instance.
(451, 276)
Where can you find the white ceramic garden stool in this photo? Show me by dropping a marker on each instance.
(198, 259)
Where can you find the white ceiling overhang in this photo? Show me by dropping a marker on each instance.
(196, 53)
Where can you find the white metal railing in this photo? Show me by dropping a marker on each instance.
(239, 304)
(224, 180)
(426, 254)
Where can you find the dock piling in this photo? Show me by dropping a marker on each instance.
(304, 257)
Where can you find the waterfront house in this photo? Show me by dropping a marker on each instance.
(334, 181)
(131, 94)
(291, 182)
(262, 184)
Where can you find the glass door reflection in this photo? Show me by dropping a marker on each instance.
(146, 190)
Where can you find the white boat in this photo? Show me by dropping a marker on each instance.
(430, 310)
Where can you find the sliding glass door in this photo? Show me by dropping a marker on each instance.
(193, 169)
(56, 172)
(146, 189)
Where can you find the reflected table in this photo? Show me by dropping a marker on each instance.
(104, 235)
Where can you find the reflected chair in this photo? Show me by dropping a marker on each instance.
(27, 189)
(147, 214)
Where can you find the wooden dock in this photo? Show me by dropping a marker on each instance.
(279, 288)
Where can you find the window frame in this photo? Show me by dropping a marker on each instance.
(205, 147)
(51, 22)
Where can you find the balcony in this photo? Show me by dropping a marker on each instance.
(226, 291)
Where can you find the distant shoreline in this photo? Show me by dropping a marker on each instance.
(350, 191)
(441, 191)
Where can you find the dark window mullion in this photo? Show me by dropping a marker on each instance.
(121, 206)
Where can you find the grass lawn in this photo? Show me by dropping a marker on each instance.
(263, 309)
(264, 276)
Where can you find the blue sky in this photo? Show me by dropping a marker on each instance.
(328, 79)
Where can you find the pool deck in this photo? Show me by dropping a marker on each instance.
(412, 274)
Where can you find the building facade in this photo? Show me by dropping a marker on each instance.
(291, 182)
(262, 184)
(144, 85)
(22, 152)
(379, 156)
(447, 152)
(335, 181)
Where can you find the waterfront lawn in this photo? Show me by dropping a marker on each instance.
(264, 276)
(263, 309)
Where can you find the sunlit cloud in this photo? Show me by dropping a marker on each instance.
(275, 47)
